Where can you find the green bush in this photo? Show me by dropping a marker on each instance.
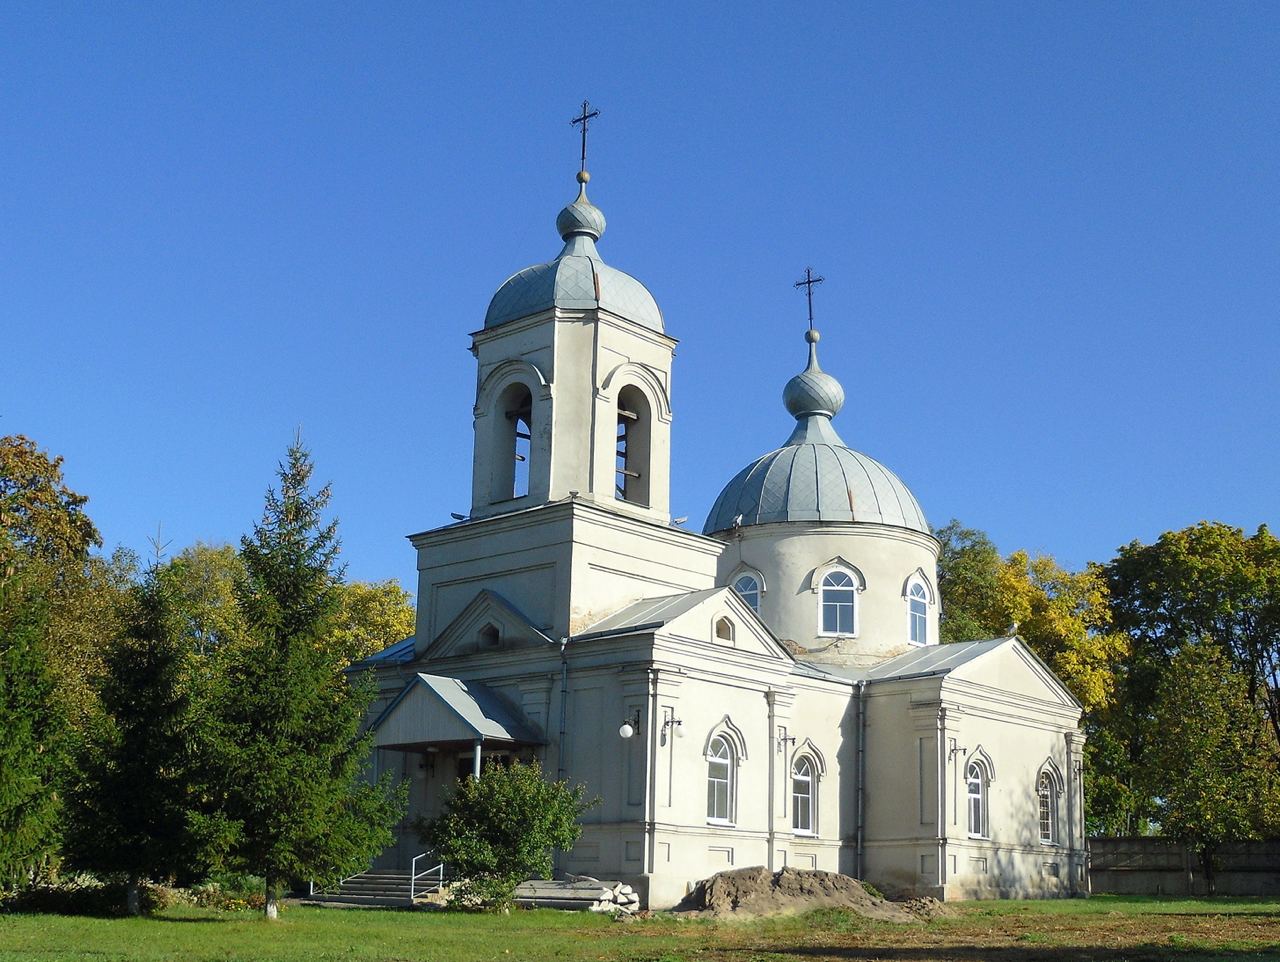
(89, 895)
(501, 828)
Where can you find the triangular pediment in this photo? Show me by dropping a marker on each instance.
(1014, 668)
(489, 622)
(706, 622)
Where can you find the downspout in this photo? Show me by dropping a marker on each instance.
(1071, 818)
(652, 730)
(564, 706)
(773, 746)
(942, 798)
(861, 768)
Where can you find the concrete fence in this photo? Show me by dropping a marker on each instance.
(1158, 866)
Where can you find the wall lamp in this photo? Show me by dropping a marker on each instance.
(630, 726)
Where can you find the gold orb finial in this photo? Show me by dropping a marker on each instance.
(583, 177)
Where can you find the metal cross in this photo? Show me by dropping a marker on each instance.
(809, 280)
(587, 115)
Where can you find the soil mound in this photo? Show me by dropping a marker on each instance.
(748, 892)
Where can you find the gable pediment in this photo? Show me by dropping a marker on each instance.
(1014, 668)
(488, 623)
(705, 622)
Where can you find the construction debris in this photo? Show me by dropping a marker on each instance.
(578, 893)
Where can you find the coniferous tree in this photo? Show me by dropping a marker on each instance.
(31, 732)
(132, 808)
(287, 719)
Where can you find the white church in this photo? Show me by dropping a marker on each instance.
(768, 692)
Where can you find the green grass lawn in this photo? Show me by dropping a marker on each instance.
(1105, 927)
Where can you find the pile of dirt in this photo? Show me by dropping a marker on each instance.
(756, 891)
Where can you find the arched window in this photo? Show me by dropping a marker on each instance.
(633, 455)
(749, 588)
(513, 433)
(489, 636)
(917, 612)
(1047, 794)
(724, 630)
(720, 765)
(804, 779)
(838, 604)
(976, 783)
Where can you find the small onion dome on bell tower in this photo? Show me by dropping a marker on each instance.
(581, 217)
(813, 390)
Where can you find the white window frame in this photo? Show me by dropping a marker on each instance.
(922, 598)
(727, 622)
(1047, 799)
(812, 796)
(757, 591)
(982, 796)
(854, 586)
(729, 761)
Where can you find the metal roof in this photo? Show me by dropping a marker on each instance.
(815, 477)
(437, 708)
(576, 280)
(647, 614)
(929, 660)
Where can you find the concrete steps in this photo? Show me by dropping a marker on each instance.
(380, 887)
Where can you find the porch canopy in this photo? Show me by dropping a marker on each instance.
(438, 712)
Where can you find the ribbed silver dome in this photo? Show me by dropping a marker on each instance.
(577, 279)
(815, 476)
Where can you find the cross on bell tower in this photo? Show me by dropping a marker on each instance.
(584, 118)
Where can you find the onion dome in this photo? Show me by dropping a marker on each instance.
(815, 476)
(577, 279)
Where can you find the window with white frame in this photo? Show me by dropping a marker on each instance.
(724, 631)
(839, 598)
(1047, 795)
(720, 780)
(917, 613)
(976, 783)
(804, 780)
(748, 587)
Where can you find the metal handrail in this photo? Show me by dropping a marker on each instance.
(414, 874)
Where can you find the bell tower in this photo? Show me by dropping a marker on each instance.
(573, 382)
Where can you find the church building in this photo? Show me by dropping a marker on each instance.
(770, 691)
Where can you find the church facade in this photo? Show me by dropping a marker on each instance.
(770, 691)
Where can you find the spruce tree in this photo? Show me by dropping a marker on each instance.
(287, 719)
(132, 810)
(31, 732)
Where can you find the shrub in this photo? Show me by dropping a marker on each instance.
(501, 828)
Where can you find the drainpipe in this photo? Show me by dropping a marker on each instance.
(564, 706)
(475, 757)
(772, 745)
(652, 730)
(861, 767)
(942, 797)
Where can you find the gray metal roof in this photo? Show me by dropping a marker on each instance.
(929, 660)
(647, 614)
(814, 476)
(399, 653)
(577, 279)
(434, 708)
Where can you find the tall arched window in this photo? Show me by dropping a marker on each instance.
(976, 783)
(804, 779)
(838, 604)
(749, 588)
(634, 438)
(513, 433)
(720, 780)
(917, 613)
(1047, 795)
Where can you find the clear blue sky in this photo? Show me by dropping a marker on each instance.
(1049, 233)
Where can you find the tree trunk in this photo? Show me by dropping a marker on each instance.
(133, 896)
(1206, 865)
(272, 905)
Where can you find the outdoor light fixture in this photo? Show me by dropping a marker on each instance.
(672, 722)
(630, 726)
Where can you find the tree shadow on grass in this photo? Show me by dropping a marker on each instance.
(1028, 953)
